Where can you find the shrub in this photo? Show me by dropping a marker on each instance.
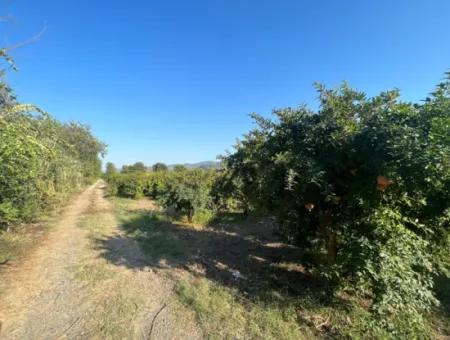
(110, 169)
(136, 167)
(41, 161)
(156, 185)
(189, 192)
(159, 167)
(130, 185)
(365, 180)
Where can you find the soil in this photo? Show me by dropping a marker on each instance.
(65, 288)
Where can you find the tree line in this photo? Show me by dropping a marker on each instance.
(42, 161)
(361, 184)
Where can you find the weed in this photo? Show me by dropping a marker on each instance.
(222, 315)
(14, 244)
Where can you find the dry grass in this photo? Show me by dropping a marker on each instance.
(273, 295)
(125, 299)
(22, 239)
(180, 250)
(78, 284)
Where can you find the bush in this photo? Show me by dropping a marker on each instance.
(131, 185)
(110, 169)
(137, 167)
(42, 161)
(187, 191)
(159, 167)
(365, 180)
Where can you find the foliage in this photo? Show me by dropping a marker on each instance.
(179, 167)
(41, 161)
(159, 167)
(365, 180)
(129, 185)
(188, 191)
(110, 169)
(228, 193)
(136, 167)
(363, 184)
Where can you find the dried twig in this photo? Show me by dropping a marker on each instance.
(326, 322)
(68, 328)
(26, 42)
(154, 319)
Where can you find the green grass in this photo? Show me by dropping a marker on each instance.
(222, 315)
(148, 228)
(225, 314)
(149, 231)
(203, 217)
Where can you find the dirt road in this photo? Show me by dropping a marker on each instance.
(66, 289)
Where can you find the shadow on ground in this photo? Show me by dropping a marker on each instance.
(442, 290)
(245, 255)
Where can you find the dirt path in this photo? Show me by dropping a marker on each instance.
(67, 289)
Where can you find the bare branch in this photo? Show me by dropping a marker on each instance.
(33, 39)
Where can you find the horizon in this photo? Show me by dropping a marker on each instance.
(175, 83)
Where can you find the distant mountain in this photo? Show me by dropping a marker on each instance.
(202, 165)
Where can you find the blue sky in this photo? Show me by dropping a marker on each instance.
(174, 81)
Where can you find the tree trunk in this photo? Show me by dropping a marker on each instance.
(331, 247)
(329, 236)
(190, 215)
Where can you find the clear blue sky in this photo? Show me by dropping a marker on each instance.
(174, 81)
